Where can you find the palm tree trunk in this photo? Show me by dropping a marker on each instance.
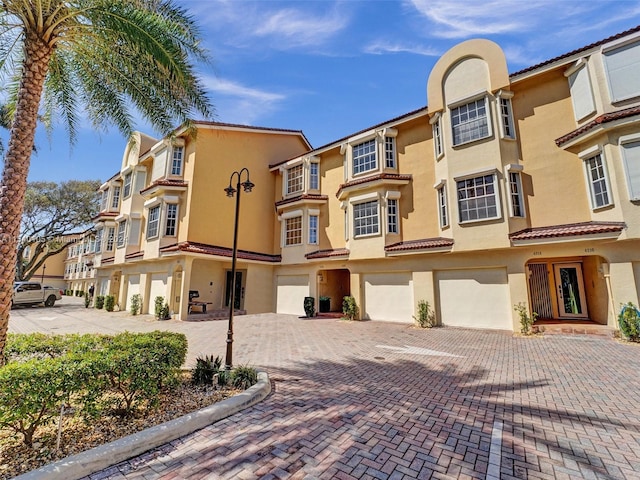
(16, 168)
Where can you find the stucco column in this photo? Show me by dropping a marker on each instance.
(357, 292)
(517, 293)
(423, 289)
(184, 290)
(622, 284)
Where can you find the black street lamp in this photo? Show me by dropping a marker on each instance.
(247, 186)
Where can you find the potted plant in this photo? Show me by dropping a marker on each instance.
(324, 304)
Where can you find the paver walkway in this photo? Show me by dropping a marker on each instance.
(373, 400)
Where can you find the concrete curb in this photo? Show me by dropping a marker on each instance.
(104, 456)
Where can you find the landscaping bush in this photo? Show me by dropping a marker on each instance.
(526, 320)
(309, 306)
(243, 377)
(629, 321)
(426, 317)
(349, 308)
(205, 369)
(158, 305)
(87, 300)
(99, 303)
(136, 304)
(109, 303)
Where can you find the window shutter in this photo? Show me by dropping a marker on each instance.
(631, 154)
(623, 72)
(581, 94)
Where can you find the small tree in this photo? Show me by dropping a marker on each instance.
(99, 301)
(158, 303)
(350, 308)
(136, 304)
(426, 317)
(629, 321)
(109, 303)
(526, 320)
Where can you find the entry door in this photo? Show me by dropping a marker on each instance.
(570, 290)
(238, 299)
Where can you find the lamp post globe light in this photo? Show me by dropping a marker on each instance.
(231, 191)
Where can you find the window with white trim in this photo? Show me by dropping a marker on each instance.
(631, 160)
(110, 238)
(176, 160)
(171, 221)
(127, 185)
(293, 231)
(295, 177)
(478, 198)
(470, 122)
(443, 208)
(115, 199)
(392, 215)
(437, 137)
(598, 183)
(506, 118)
(98, 245)
(390, 152)
(364, 157)
(314, 176)
(365, 218)
(122, 230)
(313, 229)
(515, 194)
(104, 200)
(622, 66)
(153, 221)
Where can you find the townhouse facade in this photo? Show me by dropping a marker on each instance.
(505, 189)
(79, 273)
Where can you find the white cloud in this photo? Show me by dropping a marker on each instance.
(382, 46)
(301, 28)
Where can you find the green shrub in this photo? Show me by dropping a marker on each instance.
(205, 369)
(136, 304)
(629, 321)
(426, 317)
(109, 303)
(526, 320)
(158, 306)
(243, 377)
(99, 303)
(309, 306)
(87, 300)
(23, 347)
(349, 308)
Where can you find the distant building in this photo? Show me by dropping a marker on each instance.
(506, 188)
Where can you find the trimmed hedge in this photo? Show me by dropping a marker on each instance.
(94, 373)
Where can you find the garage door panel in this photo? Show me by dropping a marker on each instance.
(475, 298)
(291, 291)
(389, 297)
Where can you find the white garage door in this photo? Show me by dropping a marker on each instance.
(158, 289)
(389, 297)
(133, 287)
(475, 298)
(291, 292)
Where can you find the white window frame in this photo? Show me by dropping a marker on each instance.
(312, 229)
(104, 200)
(153, 222)
(366, 161)
(177, 160)
(484, 99)
(293, 231)
(478, 198)
(97, 247)
(173, 218)
(438, 140)
(393, 225)
(126, 185)
(390, 152)
(121, 237)
(633, 190)
(111, 239)
(115, 197)
(294, 184)
(598, 186)
(314, 175)
(505, 115)
(443, 205)
(361, 227)
(513, 187)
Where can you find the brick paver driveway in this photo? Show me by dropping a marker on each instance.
(378, 400)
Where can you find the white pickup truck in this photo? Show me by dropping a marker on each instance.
(33, 293)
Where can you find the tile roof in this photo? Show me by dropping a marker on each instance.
(577, 51)
(604, 118)
(373, 178)
(107, 260)
(437, 242)
(568, 230)
(106, 214)
(304, 196)
(195, 247)
(338, 252)
(165, 183)
(134, 255)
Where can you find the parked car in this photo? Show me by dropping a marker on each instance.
(34, 293)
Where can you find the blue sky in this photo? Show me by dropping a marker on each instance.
(331, 68)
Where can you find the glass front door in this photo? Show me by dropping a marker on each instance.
(570, 290)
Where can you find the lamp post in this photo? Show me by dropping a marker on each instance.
(247, 186)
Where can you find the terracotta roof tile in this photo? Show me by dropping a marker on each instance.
(106, 214)
(338, 252)
(165, 183)
(107, 260)
(604, 118)
(134, 255)
(425, 243)
(373, 178)
(305, 196)
(568, 230)
(194, 247)
(579, 50)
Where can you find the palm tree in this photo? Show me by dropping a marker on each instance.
(101, 58)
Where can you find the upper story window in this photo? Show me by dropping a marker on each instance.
(470, 122)
(313, 229)
(314, 176)
(293, 231)
(506, 118)
(443, 207)
(295, 183)
(104, 200)
(390, 152)
(366, 219)
(392, 215)
(98, 244)
(115, 199)
(364, 157)
(122, 230)
(515, 195)
(110, 238)
(176, 162)
(127, 185)
(598, 182)
(437, 136)
(172, 220)
(622, 66)
(478, 198)
(630, 147)
(153, 222)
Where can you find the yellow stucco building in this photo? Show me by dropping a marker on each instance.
(505, 188)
